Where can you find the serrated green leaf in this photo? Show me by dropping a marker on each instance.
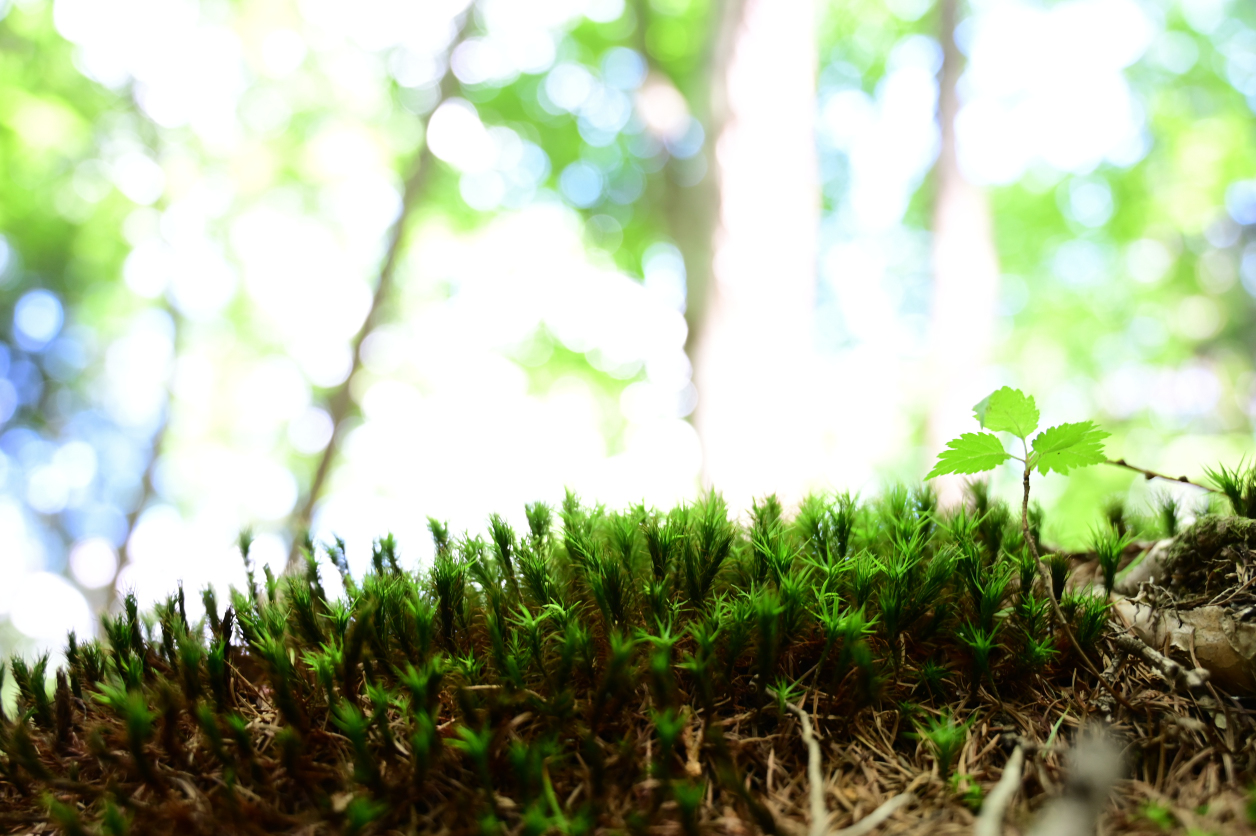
(1069, 446)
(970, 453)
(1008, 410)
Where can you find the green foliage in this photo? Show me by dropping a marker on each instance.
(1060, 448)
(72, 244)
(932, 676)
(1068, 446)
(1058, 565)
(970, 453)
(709, 544)
(1089, 614)
(67, 817)
(1008, 410)
(361, 812)
(33, 689)
(981, 644)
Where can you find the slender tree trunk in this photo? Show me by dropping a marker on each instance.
(752, 335)
(158, 442)
(692, 212)
(147, 488)
(340, 401)
(965, 275)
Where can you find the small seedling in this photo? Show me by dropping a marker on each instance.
(1058, 566)
(1169, 511)
(1091, 618)
(1159, 814)
(1057, 449)
(981, 643)
(1238, 485)
(932, 675)
(1109, 546)
(1060, 449)
(689, 798)
(972, 796)
(787, 693)
(945, 737)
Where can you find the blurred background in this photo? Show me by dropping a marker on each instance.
(298, 264)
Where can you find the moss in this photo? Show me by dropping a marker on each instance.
(1199, 558)
(596, 677)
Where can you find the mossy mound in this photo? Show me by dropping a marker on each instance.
(1214, 559)
(630, 672)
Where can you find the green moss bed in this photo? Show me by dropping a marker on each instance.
(630, 672)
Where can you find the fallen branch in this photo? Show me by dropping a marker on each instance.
(1187, 680)
(1218, 643)
(990, 822)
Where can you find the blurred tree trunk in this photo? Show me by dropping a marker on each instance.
(693, 213)
(750, 314)
(339, 402)
(965, 275)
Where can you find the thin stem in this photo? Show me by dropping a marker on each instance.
(1151, 474)
(1045, 574)
(339, 404)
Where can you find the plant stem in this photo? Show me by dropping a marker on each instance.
(1151, 474)
(1045, 574)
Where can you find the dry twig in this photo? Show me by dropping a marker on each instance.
(990, 822)
(874, 819)
(1188, 680)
